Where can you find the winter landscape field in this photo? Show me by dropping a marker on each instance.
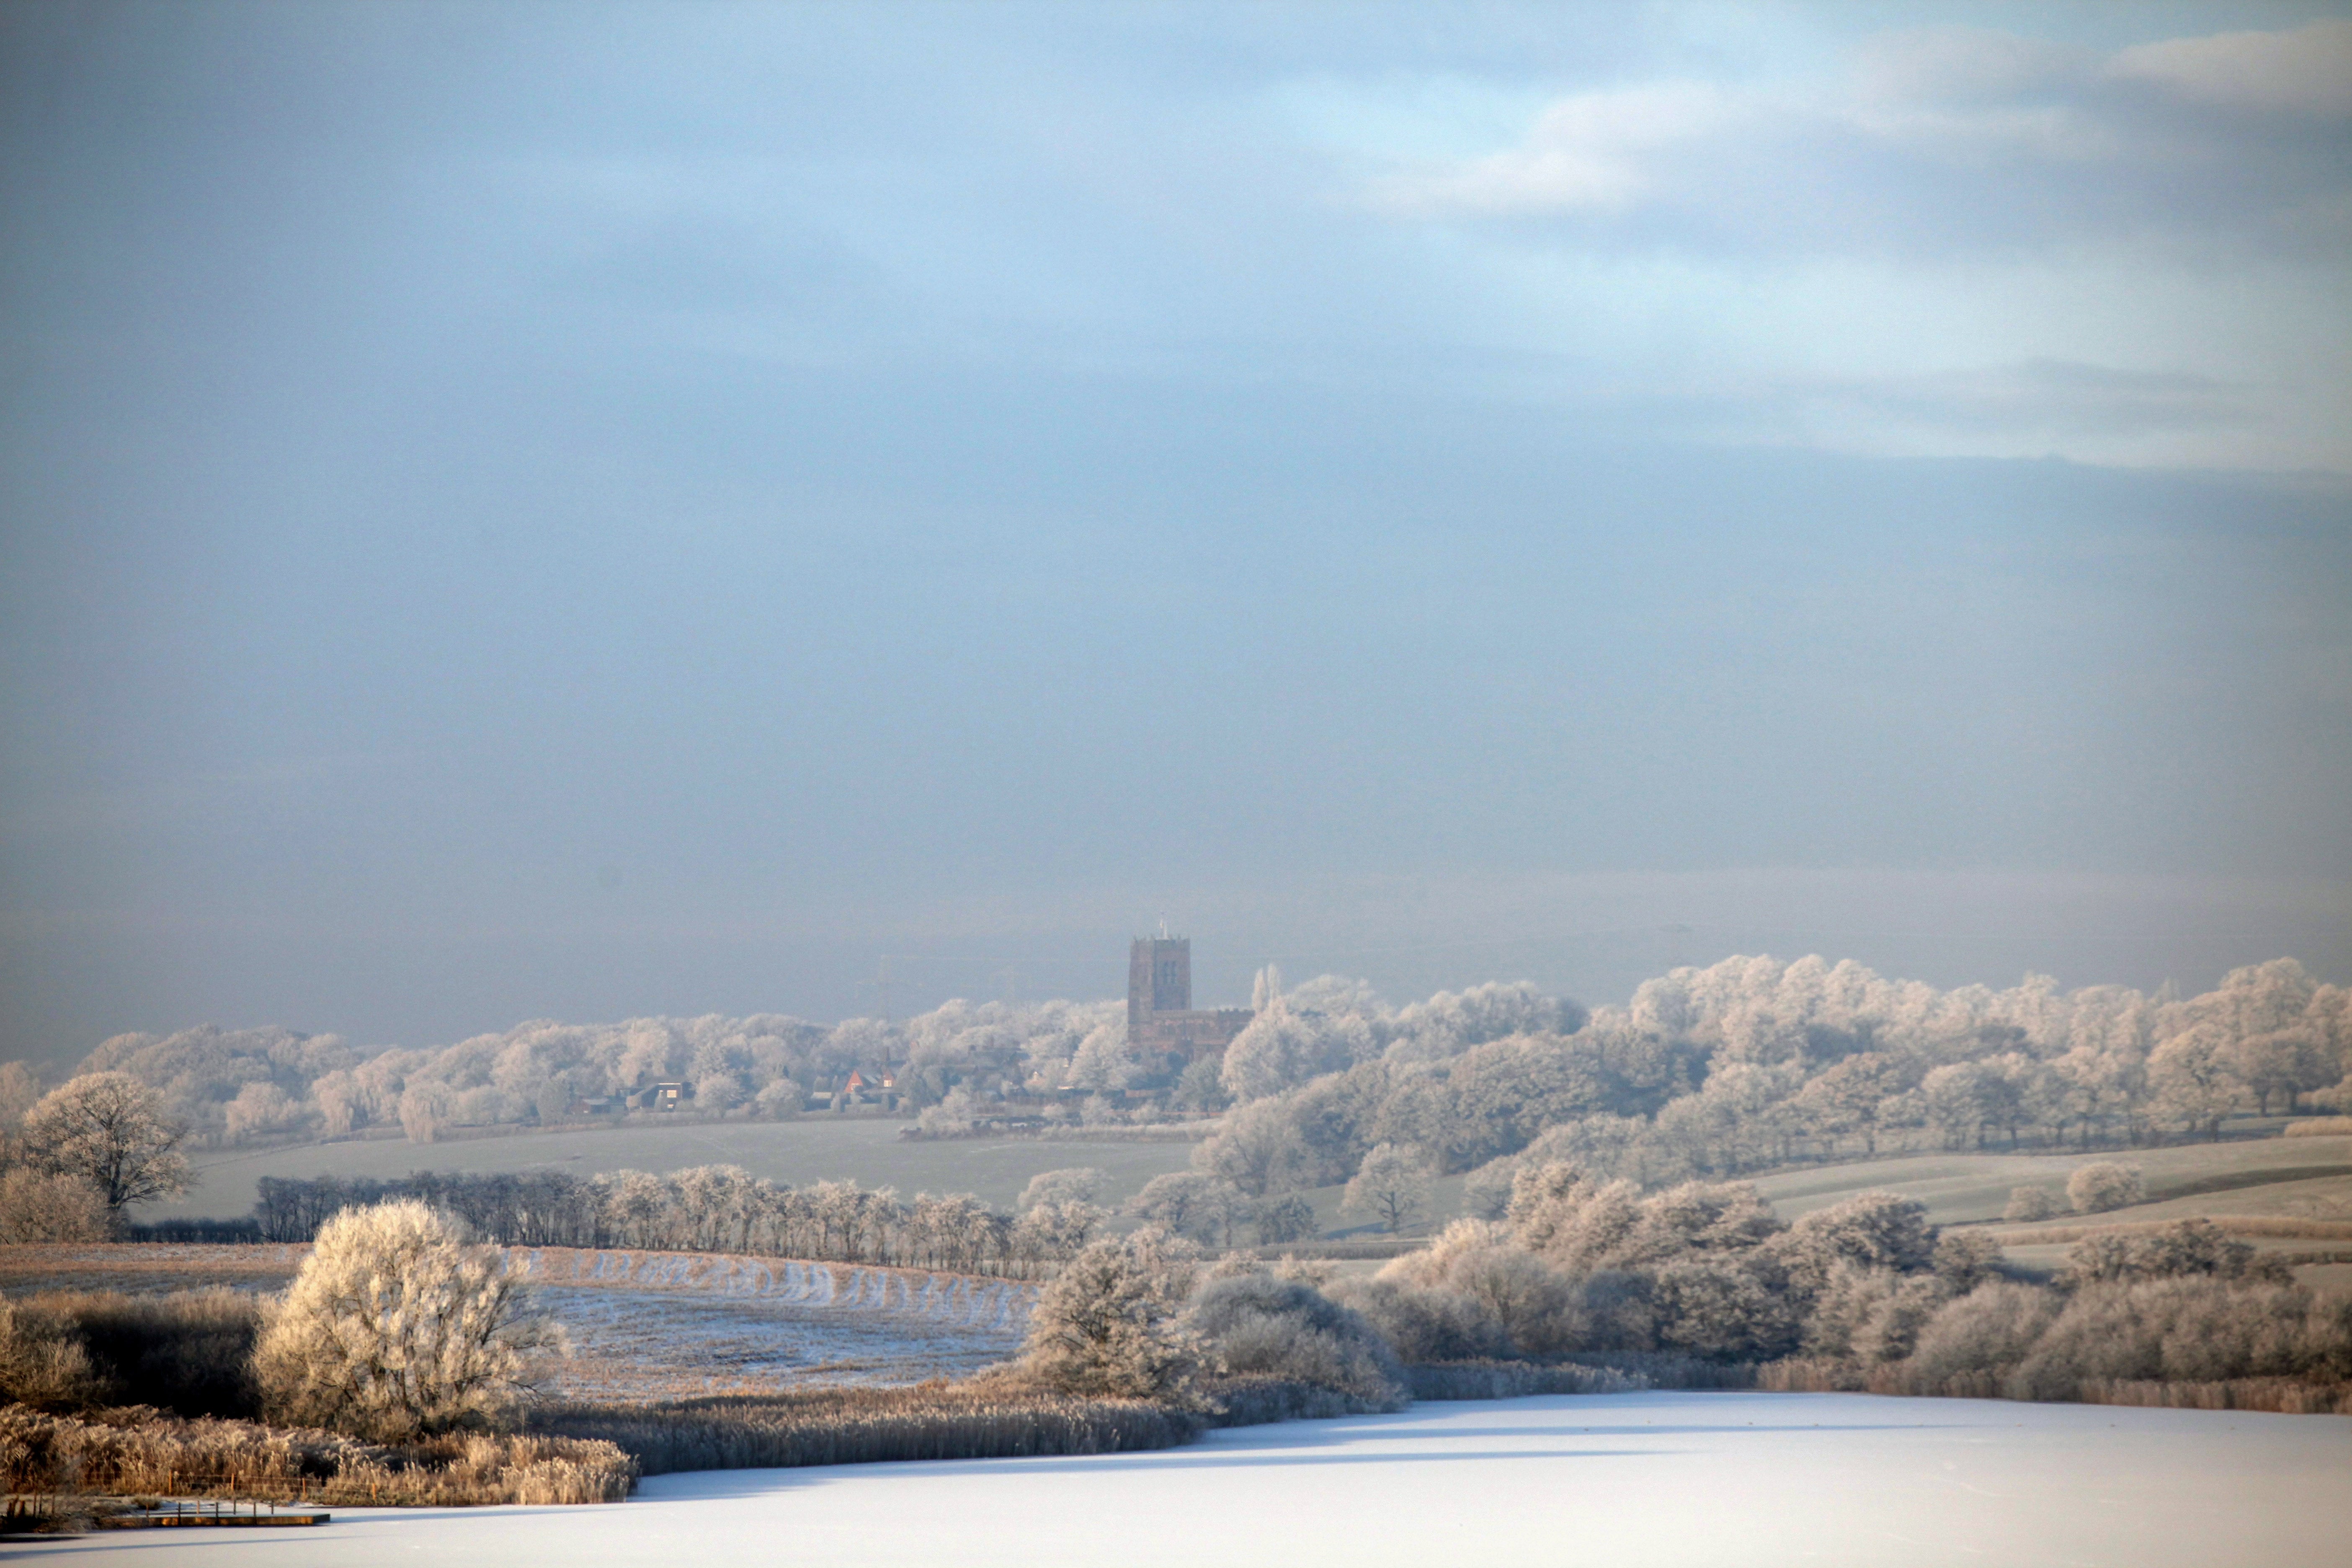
(1626, 1481)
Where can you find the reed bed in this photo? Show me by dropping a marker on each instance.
(138, 1452)
(1517, 1379)
(868, 1425)
(2278, 1395)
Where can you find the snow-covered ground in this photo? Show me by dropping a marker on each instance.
(1613, 1481)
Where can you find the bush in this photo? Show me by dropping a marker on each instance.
(2320, 1126)
(1422, 1323)
(2180, 1329)
(1972, 1342)
(395, 1327)
(65, 1205)
(2186, 1248)
(1259, 1325)
(2026, 1205)
(2104, 1184)
(1517, 1379)
(1104, 1326)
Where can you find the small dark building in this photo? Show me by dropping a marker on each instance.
(669, 1095)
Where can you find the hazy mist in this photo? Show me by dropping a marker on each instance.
(584, 512)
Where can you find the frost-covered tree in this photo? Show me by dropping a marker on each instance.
(395, 1327)
(1107, 1323)
(113, 1131)
(1390, 1186)
(2104, 1184)
(1284, 1218)
(1072, 1185)
(2028, 1203)
(1258, 1149)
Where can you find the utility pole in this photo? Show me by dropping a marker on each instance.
(883, 984)
(1011, 978)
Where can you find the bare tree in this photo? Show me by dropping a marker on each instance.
(111, 1129)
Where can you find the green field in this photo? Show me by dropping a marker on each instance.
(868, 1150)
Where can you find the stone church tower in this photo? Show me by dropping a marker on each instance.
(1161, 1017)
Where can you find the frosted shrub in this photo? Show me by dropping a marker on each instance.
(2029, 1203)
(1981, 1335)
(1279, 1328)
(395, 1327)
(1715, 1306)
(1106, 1326)
(41, 1363)
(2182, 1329)
(781, 1100)
(2104, 1184)
(1423, 1324)
(37, 1206)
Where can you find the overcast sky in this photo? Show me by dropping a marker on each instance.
(596, 510)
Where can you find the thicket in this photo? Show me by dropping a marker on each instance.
(1864, 1294)
(711, 1208)
(188, 1352)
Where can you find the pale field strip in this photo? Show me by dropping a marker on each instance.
(969, 1301)
(667, 1325)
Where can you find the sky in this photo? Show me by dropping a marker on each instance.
(593, 511)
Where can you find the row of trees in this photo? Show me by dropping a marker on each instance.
(1748, 1062)
(711, 1208)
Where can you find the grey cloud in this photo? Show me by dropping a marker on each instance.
(1946, 142)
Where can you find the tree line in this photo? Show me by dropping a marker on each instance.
(708, 1208)
(1752, 1063)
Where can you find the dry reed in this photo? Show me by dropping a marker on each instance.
(865, 1425)
(136, 1451)
(1517, 1379)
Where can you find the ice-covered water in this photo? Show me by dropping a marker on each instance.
(1612, 1481)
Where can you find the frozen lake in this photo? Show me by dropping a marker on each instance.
(1620, 1480)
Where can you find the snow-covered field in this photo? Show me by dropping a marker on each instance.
(1616, 1481)
(652, 1325)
